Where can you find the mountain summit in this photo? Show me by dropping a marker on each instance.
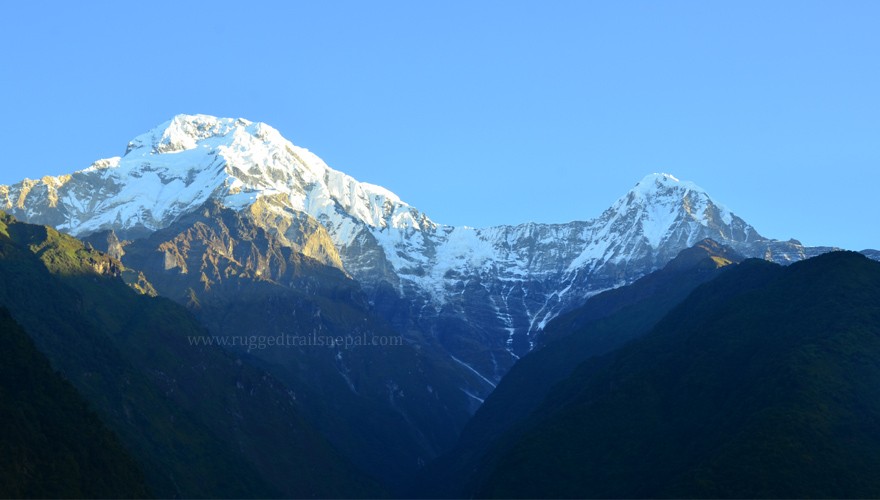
(176, 167)
(482, 294)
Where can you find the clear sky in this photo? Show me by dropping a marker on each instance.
(479, 112)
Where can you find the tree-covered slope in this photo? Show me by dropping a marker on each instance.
(52, 445)
(763, 383)
(200, 421)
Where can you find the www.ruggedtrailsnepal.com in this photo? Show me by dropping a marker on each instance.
(255, 342)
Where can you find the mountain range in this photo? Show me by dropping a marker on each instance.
(484, 293)
(259, 239)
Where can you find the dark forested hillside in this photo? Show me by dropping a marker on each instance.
(199, 421)
(51, 443)
(604, 323)
(763, 383)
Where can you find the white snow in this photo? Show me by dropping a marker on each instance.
(471, 368)
(179, 165)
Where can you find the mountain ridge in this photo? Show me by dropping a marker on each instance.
(497, 286)
(759, 384)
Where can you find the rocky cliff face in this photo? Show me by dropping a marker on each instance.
(498, 287)
(481, 294)
(388, 403)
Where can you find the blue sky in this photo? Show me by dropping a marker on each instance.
(481, 113)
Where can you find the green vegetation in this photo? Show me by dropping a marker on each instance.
(762, 383)
(52, 445)
(199, 421)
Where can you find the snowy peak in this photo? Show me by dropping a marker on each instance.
(661, 184)
(660, 203)
(659, 178)
(179, 165)
(498, 286)
(184, 132)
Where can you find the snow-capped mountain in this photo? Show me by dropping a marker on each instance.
(483, 294)
(176, 167)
